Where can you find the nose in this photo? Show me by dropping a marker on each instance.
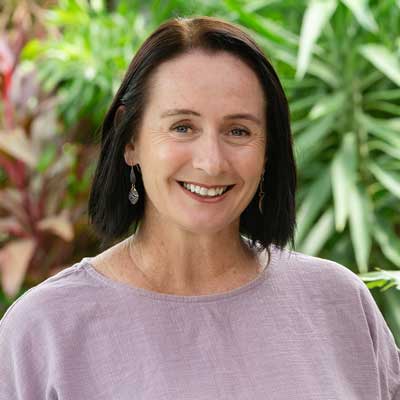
(209, 154)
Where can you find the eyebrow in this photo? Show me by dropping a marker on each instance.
(179, 111)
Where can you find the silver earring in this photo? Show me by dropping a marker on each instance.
(261, 194)
(133, 193)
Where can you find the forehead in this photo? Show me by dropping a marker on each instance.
(207, 81)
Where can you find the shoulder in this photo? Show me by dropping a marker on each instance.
(50, 300)
(325, 285)
(34, 329)
(317, 281)
(311, 270)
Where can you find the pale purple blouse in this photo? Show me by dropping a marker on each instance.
(304, 329)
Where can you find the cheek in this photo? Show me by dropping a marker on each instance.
(172, 151)
(166, 157)
(252, 158)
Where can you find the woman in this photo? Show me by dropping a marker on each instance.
(196, 155)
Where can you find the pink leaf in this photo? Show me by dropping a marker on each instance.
(11, 201)
(16, 143)
(14, 261)
(11, 226)
(60, 225)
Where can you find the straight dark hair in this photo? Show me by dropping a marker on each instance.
(111, 213)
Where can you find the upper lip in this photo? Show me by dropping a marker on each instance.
(204, 185)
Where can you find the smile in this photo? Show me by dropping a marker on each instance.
(205, 192)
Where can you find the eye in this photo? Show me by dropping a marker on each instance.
(239, 132)
(182, 128)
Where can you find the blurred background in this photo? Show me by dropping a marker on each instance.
(339, 62)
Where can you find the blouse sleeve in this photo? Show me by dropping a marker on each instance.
(23, 355)
(387, 354)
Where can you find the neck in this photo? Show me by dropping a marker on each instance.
(177, 261)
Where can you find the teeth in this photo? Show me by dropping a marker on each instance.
(202, 191)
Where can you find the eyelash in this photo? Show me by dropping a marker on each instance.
(247, 133)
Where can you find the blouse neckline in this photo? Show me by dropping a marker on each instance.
(262, 257)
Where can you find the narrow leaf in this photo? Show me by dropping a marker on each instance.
(266, 27)
(316, 67)
(329, 104)
(385, 148)
(300, 103)
(389, 180)
(362, 13)
(383, 59)
(359, 227)
(343, 174)
(319, 234)
(382, 278)
(390, 94)
(383, 129)
(389, 242)
(315, 17)
(317, 196)
(314, 134)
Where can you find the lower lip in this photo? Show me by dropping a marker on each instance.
(215, 199)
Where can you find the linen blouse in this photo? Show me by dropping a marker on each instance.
(306, 328)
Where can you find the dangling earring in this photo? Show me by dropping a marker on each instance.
(261, 194)
(133, 193)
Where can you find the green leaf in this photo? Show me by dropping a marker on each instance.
(360, 226)
(377, 284)
(266, 27)
(316, 67)
(329, 104)
(343, 175)
(387, 129)
(389, 242)
(304, 102)
(311, 137)
(385, 148)
(383, 59)
(76, 17)
(370, 78)
(317, 196)
(315, 17)
(300, 125)
(33, 49)
(385, 106)
(97, 5)
(390, 94)
(393, 277)
(362, 13)
(319, 234)
(389, 180)
(47, 157)
(315, 133)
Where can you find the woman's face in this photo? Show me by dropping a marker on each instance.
(204, 125)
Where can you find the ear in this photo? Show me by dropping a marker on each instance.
(131, 153)
(118, 116)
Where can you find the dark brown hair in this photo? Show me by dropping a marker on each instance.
(110, 211)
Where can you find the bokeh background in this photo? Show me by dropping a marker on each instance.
(339, 61)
